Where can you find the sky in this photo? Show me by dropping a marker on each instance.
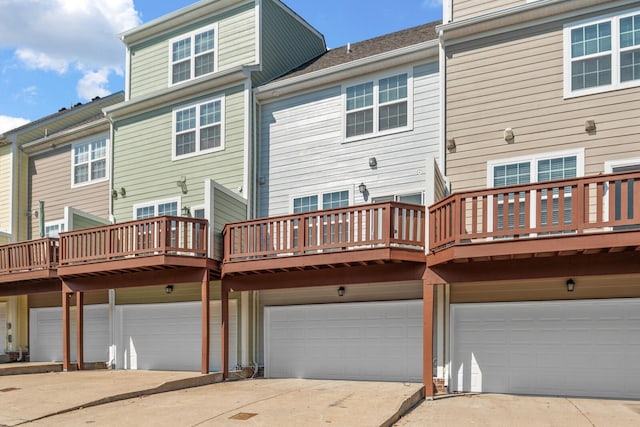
(56, 53)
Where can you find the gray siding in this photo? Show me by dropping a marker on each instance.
(236, 46)
(144, 166)
(301, 150)
(464, 9)
(286, 42)
(515, 80)
(50, 178)
(226, 209)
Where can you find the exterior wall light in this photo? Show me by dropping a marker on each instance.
(373, 162)
(362, 188)
(570, 284)
(341, 291)
(451, 144)
(509, 136)
(590, 126)
(168, 289)
(186, 211)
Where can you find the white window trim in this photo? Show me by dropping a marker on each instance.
(73, 165)
(375, 78)
(610, 164)
(319, 194)
(397, 196)
(155, 204)
(198, 152)
(59, 223)
(191, 35)
(614, 18)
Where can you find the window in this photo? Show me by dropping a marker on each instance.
(198, 129)
(193, 55)
(602, 54)
(413, 198)
(159, 208)
(89, 162)
(378, 106)
(334, 200)
(53, 228)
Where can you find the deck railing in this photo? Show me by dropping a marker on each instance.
(351, 228)
(167, 235)
(33, 255)
(594, 204)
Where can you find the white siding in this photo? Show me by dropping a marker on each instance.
(301, 149)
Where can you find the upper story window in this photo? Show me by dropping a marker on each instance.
(602, 54)
(156, 208)
(198, 129)
(89, 162)
(193, 55)
(378, 106)
(331, 200)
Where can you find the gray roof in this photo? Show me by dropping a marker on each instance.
(366, 48)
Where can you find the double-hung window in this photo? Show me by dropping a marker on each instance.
(53, 228)
(378, 106)
(160, 208)
(602, 54)
(89, 162)
(147, 234)
(198, 129)
(193, 55)
(329, 226)
(330, 200)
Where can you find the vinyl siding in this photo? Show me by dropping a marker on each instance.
(81, 222)
(20, 204)
(227, 209)
(236, 46)
(54, 299)
(286, 42)
(515, 80)
(143, 165)
(182, 292)
(465, 9)
(5, 188)
(301, 149)
(50, 175)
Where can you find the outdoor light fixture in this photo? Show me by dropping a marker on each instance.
(570, 284)
(451, 144)
(168, 289)
(373, 162)
(186, 211)
(182, 184)
(590, 126)
(509, 136)
(341, 291)
(362, 188)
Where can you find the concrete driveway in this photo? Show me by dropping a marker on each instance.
(509, 410)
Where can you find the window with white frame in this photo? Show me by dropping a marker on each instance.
(413, 198)
(381, 105)
(198, 129)
(89, 162)
(53, 228)
(537, 168)
(156, 208)
(193, 55)
(330, 200)
(602, 54)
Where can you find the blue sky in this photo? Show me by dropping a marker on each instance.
(56, 53)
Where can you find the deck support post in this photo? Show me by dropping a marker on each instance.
(224, 299)
(204, 290)
(66, 329)
(80, 329)
(428, 289)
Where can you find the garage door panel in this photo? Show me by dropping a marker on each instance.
(374, 341)
(579, 348)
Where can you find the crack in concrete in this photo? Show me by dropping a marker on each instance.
(580, 410)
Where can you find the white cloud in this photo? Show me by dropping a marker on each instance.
(59, 35)
(93, 83)
(7, 123)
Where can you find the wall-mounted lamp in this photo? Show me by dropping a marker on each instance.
(341, 291)
(590, 126)
(362, 188)
(168, 289)
(373, 162)
(186, 211)
(509, 136)
(451, 144)
(33, 214)
(182, 184)
(570, 285)
(122, 192)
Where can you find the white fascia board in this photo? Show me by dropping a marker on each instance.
(348, 70)
(178, 93)
(181, 17)
(523, 16)
(66, 136)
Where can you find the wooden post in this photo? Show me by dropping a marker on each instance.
(66, 321)
(427, 340)
(204, 290)
(80, 329)
(224, 299)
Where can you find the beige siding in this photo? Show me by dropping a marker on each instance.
(53, 299)
(465, 9)
(5, 188)
(144, 166)
(20, 205)
(50, 176)
(236, 46)
(516, 81)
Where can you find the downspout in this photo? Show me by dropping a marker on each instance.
(443, 109)
(112, 293)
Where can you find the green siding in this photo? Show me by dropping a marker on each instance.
(226, 209)
(81, 222)
(143, 165)
(286, 43)
(236, 46)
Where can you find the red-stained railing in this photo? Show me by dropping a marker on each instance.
(33, 255)
(600, 203)
(165, 235)
(352, 228)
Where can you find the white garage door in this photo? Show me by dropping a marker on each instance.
(3, 326)
(45, 334)
(571, 348)
(357, 341)
(168, 336)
